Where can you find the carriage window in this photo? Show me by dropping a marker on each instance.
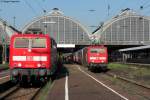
(39, 43)
(97, 50)
(21, 43)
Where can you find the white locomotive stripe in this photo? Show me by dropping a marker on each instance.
(39, 58)
(24, 58)
(66, 88)
(19, 58)
(5, 77)
(102, 58)
(92, 58)
(103, 84)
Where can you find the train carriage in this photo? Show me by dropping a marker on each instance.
(32, 57)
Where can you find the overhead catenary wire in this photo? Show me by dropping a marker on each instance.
(144, 5)
(39, 5)
(145, 2)
(28, 4)
(122, 6)
(108, 8)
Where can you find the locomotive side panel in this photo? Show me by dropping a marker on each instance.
(53, 56)
(85, 57)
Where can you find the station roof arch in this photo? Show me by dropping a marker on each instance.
(63, 29)
(127, 28)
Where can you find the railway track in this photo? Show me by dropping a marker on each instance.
(138, 65)
(127, 80)
(21, 93)
(124, 87)
(9, 90)
(4, 74)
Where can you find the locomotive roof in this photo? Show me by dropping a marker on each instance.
(96, 46)
(19, 34)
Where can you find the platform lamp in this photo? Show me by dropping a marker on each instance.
(14, 21)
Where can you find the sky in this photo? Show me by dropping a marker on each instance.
(88, 12)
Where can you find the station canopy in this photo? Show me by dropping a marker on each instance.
(6, 31)
(126, 28)
(65, 30)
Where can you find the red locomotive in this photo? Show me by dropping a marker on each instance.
(32, 57)
(93, 57)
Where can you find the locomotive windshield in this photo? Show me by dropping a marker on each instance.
(39, 43)
(97, 50)
(34, 42)
(21, 43)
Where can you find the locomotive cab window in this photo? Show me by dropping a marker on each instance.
(97, 50)
(34, 42)
(39, 43)
(21, 43)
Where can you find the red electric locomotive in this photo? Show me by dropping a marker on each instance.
(94, 57)
(32, 57)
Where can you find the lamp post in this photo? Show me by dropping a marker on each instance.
(4, 59)
(45, 25)
(14, 18)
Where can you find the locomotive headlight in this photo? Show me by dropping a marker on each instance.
(19, 64)
(15, 65)
(92, 58)
(29, 50)
(43, 65)
(38, 65)
(102, 61)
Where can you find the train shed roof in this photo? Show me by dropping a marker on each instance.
(135, 48)
(6, 31)
(64, 29)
